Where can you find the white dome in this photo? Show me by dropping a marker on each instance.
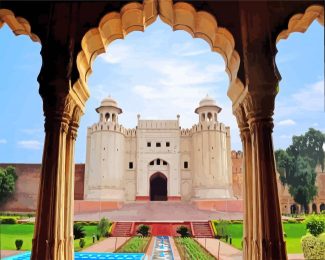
(108, 102)
(207, 101)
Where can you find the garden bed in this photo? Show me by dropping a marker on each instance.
(189, 249)
(135, 245)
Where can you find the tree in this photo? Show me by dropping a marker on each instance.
(297, 165)
(103, 226)
(8, 179)
(302, 184)
(78, 231)
(309, 145)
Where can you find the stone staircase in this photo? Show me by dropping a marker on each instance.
(122, 229)
(201, 229)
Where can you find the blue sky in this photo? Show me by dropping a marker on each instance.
(157, 74)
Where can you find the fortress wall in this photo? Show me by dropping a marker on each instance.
(25, 197)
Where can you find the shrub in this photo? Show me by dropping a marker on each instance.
(103, 226)
(78, 231)
(222, 229)
(313, 247)
(183, 231)
(19, 244)
(8, 221)
(82, 243)
(315, 224)
(143, 230)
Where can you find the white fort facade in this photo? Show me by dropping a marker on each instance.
(158, 160)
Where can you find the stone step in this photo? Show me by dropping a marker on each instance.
(122, 229)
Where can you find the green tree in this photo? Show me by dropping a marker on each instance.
(8, 179)
(297, 165)
(103, 226)
(309, 145)
(302, 184)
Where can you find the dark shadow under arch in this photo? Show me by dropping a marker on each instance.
(158, 187)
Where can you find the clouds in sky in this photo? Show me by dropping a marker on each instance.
(30, 144)
(159, 74)
(311, 97)
(287, 122)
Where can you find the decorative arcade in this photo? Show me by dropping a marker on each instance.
(73, 33)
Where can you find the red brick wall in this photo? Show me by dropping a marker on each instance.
(27, 185)
(237, 173)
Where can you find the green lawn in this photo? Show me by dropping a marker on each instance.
(9, 234)
(294, 233)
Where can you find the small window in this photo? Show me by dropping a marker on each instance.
(164, 163)
(158, 144)
(152, 162)
(148, 144)
(185, 165)
(130, 165)
(158, 161)
(167, 144)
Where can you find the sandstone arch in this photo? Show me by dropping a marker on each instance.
(136, 17)
(301, 22)
(18, 25)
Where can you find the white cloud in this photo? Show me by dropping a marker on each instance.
(31, 131)
(3, 141)
(311, 97)
(116, 53)
(286, 122)
(30, 144)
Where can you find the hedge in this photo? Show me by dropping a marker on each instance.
(313, 247)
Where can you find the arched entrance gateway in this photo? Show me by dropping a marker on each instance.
(72, 38)
(158, 187)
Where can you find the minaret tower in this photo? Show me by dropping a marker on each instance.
(211, 147)
(104, 178)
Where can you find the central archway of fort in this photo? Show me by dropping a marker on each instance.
(158, 187)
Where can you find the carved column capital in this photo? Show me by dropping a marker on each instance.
(58, 112)
(74, 123)
(259, 106)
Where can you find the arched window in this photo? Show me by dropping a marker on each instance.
(113, 117)
(185, 165)
(202, 117)
(107, 116)
(209, 116)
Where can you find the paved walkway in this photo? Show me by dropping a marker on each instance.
(296, 257)
(158, 211)
(6, 253)
(227, 252)
(108, 245)
(175, 251)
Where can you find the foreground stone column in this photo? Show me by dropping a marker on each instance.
(69, 176)
(53, 235)
(268, 241)
(247, 183)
